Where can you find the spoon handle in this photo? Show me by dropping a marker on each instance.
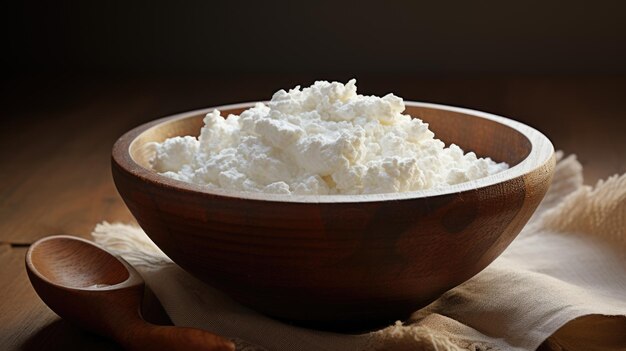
(143, 336)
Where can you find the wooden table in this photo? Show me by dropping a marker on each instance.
(57, 134)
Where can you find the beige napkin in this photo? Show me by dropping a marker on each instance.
(563, 278)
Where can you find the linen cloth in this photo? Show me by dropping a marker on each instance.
(563, 278)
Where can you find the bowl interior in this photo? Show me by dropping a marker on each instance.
(485, 137)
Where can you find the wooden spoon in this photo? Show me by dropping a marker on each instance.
(88, 286)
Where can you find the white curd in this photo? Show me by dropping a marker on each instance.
(324, 139)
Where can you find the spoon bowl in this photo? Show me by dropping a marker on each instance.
(54, 259)
(89, 287)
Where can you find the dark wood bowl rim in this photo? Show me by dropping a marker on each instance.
(541, 152)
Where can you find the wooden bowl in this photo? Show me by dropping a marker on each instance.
(340, 261)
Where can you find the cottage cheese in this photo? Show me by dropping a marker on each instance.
(324, 139)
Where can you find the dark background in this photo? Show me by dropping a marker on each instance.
(559, 66)
(432, 38)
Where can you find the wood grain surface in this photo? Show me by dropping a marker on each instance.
(58, 132)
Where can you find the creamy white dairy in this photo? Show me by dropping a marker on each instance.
(324, 139)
